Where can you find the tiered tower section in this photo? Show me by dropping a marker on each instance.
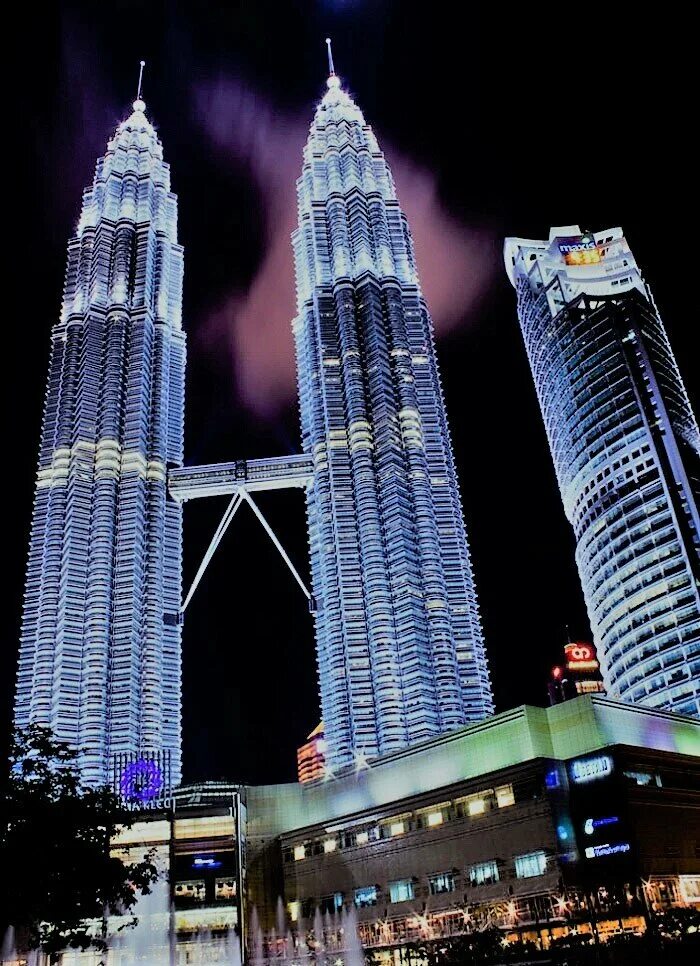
(100, 644)
(400, 646)
(626, 450)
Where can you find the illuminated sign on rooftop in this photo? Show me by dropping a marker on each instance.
(581, 656)
(580, 250)
(141, 781)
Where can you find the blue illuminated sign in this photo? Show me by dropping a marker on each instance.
(599, 851)
(590, 769)
(551, 779)
(591, 824)
(206, 862)
(141, 781)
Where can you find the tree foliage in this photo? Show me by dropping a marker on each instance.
(57, 865)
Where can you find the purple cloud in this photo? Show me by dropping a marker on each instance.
(253, 325)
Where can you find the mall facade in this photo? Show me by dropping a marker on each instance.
(583, 817)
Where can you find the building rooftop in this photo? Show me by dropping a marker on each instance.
(577, 727)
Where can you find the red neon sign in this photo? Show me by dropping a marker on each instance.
(581, 656)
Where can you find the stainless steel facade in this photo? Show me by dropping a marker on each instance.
(100, 644)
(399, 641)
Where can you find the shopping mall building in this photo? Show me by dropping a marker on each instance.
(581, 817)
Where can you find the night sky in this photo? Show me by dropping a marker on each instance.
(496, 128)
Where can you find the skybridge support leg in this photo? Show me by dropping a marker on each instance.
(271, 534)
(236, 501)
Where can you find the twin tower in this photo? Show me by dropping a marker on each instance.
(399, 642)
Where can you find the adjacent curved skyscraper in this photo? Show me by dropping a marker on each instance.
(100, 644)
(626, 451)
(400, 646)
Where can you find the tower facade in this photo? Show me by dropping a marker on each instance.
(399, 640)
(100, 642)
(626, 451)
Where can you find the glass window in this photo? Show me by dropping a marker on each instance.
(397, 828)
(362, 838)
(330, 845)
(534, 863)
(205, 827)
(484, 873)
(504, 796)
(444, 882)
(225, 889)
(366, 896)
(299, 852)
(643, 778)
(331, 903)
(194, 889)
(434, 818)
(401, 890)
(477, 806)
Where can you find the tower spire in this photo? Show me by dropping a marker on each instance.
(142, 64)
(331, 68)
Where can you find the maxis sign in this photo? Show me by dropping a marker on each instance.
(579, 250)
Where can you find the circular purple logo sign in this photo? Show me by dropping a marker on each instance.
(141, 781)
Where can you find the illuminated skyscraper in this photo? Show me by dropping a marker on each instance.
(399, 640)
(311, 757)
(626, 451)
(100, 644)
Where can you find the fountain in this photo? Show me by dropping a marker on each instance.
(333, 938)
(353, 954)
(256, 952)
(10, 957)
(319, 939)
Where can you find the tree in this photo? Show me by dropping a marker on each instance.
(55, 850)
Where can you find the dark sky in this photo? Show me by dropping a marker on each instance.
(498, 127)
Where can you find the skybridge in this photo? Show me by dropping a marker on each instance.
(239, 480)
(220, 479)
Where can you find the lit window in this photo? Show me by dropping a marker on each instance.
(331, 903)
(689, 886)
(444, 882)
(477, 806)
(205, 827)
(397, 828)
(643, 778)
(366, 896)
(294, 908)
(225, 889)
(534, 863)
(484, 873)
(435, 818)
(191, 890)
(299, 852)
(330, 845)
(401, 890)
(505, 796)
(362, 838)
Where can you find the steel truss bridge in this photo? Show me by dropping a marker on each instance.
(240, 479)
